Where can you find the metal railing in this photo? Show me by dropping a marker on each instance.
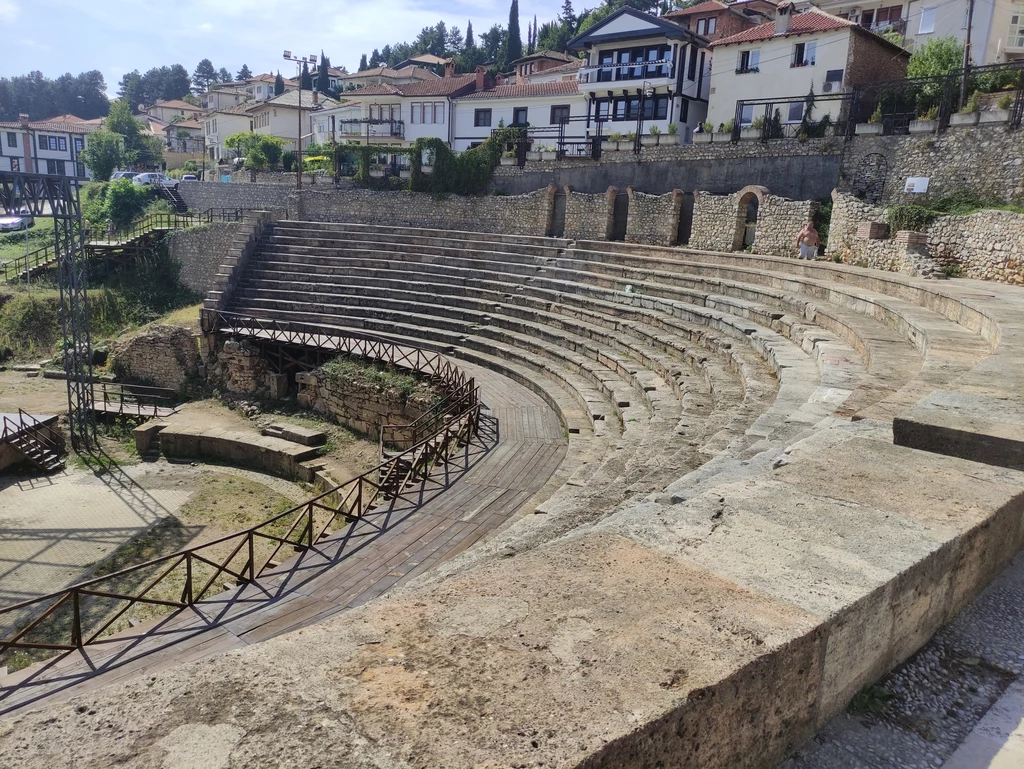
(81, 614)
(37, 431)
(395, 436)
(133, 400)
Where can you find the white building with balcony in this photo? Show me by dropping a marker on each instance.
(642, 71)
(46, 146)
(541, 107)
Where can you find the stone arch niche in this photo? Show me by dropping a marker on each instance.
(749, 201)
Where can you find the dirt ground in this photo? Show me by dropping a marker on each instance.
(34, 394)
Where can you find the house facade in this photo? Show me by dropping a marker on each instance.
(540, 106)
(167, 111)
(45, 147)
(716, 19)
(222, 96)
(536, 63)
(792, 55)
(283, 115)
(407, 75)
(222, 123)
(642, 71)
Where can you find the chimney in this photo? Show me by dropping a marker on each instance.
(449, 68)
(316, 97)
(481, 75)
(783, 17)
(500, 79)
(23, 119)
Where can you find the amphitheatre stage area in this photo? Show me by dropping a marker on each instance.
(668, 507)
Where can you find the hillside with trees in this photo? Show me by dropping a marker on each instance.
(40, 97)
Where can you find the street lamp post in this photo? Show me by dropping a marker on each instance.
(646, 92)
(298, 141)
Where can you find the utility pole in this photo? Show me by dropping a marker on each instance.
(298, 141)
(967, 55)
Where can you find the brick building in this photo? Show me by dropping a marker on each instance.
(715, 19)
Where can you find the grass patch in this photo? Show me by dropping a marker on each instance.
(871, 700)
(370, 373)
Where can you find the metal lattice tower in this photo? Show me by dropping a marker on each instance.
(57, 196)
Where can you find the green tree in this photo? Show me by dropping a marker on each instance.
(362, 63)
(126, 202)
(204, 76)
(305, 82)
(470, 39)
(255, 160)
(323, 75)
(278, 84)
(513, 48)
(941, 56)
(103, 154)
(244, 73)
(223, 76)
(568, 16)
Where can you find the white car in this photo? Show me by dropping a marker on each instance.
(156, 179)
(14, 222)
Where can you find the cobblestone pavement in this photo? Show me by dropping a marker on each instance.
(956, 703)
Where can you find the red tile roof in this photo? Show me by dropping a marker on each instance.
(45, 125)
(526, 90)
(445, 86)
(806, 23)
(571, 66)
(178, 104)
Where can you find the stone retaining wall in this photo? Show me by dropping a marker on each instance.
(779, 221)
(359, 405)
(200, 251)
(528, 214)
(714, 222)
(201, 196)
(718, 222)
(988, 245)
(589, 217)
(162, 356)
(653, 219)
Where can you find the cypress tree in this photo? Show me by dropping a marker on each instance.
(470, 39)
(323, 78)
(305, 82)
(514, 47)
(244, 73)
(362, 63)
(278, 84)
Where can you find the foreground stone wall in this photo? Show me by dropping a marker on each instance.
(359, 405)
(778, 223)
(653, 219)
(201, 196)
(988, 245)
(163, 356)
(200, 251)
(714, 222)
(589, 217)
(528, 214)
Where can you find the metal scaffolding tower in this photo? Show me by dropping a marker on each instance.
(57, 196)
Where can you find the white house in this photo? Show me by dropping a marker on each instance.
(221, 96)
(283, 115)
(786, 58)
(397, 114)
(45, 147)
(222, 123)
(643, 71)
(167, 111)
(540, 106)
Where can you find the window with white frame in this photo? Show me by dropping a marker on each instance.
(55, 167)
(1016, 37)
(749, 61)
(430, 112)
(804, 54)
(796, 112)
(927, 20)
(79, 144)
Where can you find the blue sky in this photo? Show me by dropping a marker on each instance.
(117, 36)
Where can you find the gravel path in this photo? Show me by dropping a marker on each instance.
(933, 701)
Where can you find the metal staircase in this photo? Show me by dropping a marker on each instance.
(40, 444)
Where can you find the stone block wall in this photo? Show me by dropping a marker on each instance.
(200, 251)
(527, 214)
(714, 222)
(241, 368)
(247, 236)
(589, 217)
(986, 160)
(163, 356)
(778, 223)
(653, 219)
(201, 196)
(359, 405)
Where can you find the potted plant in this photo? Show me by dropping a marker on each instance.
(724, 132)
(404, 173)
(1001, 114)
(754, 130)
(704, 135)
(874, 125)
(426, 169)
(533, 153)
(509, 158)
(926, 123)
(969, 114)
(654, 137)
(548, 153)
(377, 171)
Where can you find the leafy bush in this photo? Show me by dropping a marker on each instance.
(1005, 102)
(30, 324)
(655, 130)
(126, 202)
(876, 116)
(378, 375)
(673, 129)
(909, 217)
(973, 104)
(255, 160)
(288, 160)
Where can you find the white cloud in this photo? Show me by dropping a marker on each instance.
(8, 11)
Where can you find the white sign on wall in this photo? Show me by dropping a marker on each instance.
(917, 184)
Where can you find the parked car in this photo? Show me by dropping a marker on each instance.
(156, 179)
(19, 221)
(190, 178)
(122, 175)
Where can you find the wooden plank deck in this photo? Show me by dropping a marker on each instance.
(519, 447)
(137, 410)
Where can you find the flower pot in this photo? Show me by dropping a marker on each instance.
(549, 156)
(509, 161)
(377, 173)
(963, 118)
(607, 146)
(994, 116)
(722, 136)
(533, 156)
(750, 133)
(427, 169)
(702, 138)
(649, 141)
(405, 173)
(869, 129)
(923, 126)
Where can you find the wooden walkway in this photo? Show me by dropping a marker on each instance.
(519, 447)
(137, 410)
